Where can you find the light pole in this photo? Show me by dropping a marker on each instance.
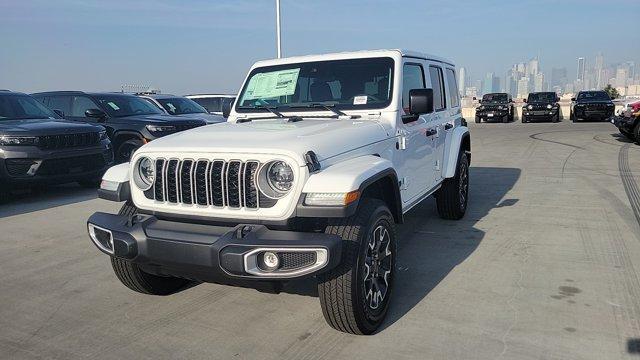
(278, 28)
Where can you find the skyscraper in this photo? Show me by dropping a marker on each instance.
(538, 82)
(462, 80)
(581, 69)
(491, 83)
(598, 69)
(558, 77)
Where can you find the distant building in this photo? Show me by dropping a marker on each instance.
(491, 83)
(538, 82)
(599, 71)
(581, 69)
(558, 77)
(523, 87)
(462, 80)
(471, 91)
(621, 77)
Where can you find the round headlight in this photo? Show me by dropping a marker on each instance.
(144, 173)
(549, 106)
(280, 176)
(530, 107)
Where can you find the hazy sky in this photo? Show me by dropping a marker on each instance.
(186, 46)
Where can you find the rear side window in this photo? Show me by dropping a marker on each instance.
(82, 104)
(62, 103)
(412, 78)
(453, 88)
(437, 81)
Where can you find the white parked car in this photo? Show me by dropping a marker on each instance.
(319, 161)
(213, 102)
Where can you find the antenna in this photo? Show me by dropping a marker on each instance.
(279, 48)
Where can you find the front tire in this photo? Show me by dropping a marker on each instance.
(524, 119)
(478, 120)
(505, 119)
(126, 149)
(453, 196)
(355, 295)
(136, 279)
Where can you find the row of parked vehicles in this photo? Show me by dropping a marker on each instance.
(544, 106)
(74, 136)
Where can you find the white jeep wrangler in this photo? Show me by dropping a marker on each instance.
(320, 158)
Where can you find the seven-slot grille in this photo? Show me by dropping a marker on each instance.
(202, 182)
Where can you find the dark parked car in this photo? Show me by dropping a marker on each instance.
(495, 106)
(541, 106)
(130, 121)
(214, 103)
(38, 147)
(592, 105)
(181, 106)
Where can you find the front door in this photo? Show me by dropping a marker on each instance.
(416, 143)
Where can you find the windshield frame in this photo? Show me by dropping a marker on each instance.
(530, 100)
(581, 96)
(505, 100)
(48, 114)
(102, 100)
(300, 106)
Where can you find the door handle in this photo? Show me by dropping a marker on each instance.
(431, 132)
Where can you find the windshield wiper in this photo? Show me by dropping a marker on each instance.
(271, 109)
(328, 107)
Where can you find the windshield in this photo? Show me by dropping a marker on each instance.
(593, 95)
(345, 84)
(545, 97)
(126, 105)
(179, 106)
(19, 107)
(494, 98)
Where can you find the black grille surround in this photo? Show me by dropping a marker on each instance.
(203, 182)
(66, 141)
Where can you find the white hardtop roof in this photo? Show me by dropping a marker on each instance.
(352, 55)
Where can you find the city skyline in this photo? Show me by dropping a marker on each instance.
(531, 75)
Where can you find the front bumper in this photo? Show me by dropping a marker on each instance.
(583, 113)
(492, 114)
(545, 114)
(25, 166)
(212, 253)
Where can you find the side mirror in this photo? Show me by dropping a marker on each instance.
(573, 99)
(59, 112)
(420, 101)
(474, 98)
(524, 100)
(226, 108)
(95, 114)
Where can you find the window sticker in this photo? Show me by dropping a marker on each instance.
(272, 84)
(171, 107)
(113, 105)
(360, 100)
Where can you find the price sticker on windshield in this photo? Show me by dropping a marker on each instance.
(360, 100)
(113, 105)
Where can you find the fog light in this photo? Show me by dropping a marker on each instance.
(270, 261)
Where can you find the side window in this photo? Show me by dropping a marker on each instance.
(82, 104)
(454, 101)
(412, 78)
(62, 103)
(435, 73)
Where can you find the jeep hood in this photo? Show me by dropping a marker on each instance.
(325, 137)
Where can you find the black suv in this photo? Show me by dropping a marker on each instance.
(495, 106)
(38, 147)
(130, 121)
(541, 106)
(591, 105)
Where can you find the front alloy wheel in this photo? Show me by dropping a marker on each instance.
(378, 267)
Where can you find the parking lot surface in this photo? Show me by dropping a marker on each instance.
(544, 266)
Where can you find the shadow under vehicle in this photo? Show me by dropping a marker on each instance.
(130, 121)
(38, 147)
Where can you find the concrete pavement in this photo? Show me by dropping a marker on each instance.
(544, 266)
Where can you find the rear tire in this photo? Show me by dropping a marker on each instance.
(131, 276)
(453, 196)
(355, 295)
